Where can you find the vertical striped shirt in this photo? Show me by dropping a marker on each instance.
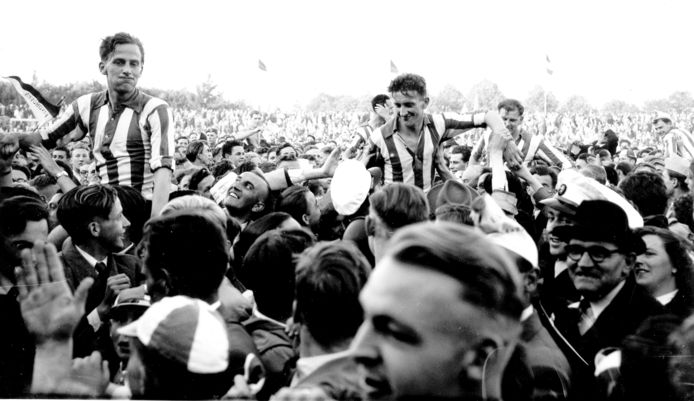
(679, 142)
(417, 166)
(531, 146)
(128, 144)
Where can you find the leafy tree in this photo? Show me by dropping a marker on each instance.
(681, 101)
(619, 107)
(485, 95)
(324, 103)
(576, 104)
(449, 99)
(535, 102)
(208, 95)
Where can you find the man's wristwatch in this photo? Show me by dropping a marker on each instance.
(61, 174)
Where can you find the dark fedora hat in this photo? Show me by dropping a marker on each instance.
(602, 221)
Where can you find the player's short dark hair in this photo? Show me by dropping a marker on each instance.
(408, 82)
(511, 105)
(109, 43)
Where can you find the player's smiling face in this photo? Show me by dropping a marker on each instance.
(410, 107)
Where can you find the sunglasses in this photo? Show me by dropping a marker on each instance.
(596, 253)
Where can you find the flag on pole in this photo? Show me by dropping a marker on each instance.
(393, 68)
(261, 65)
(550, 71)
(42, 109)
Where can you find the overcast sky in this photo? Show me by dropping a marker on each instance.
(603, 50)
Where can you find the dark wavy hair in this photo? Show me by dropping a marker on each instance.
(191, 265)
(329, 278)
(194, 148)
(683, 267)
(408, 82)
(81, 205)
(269, 270)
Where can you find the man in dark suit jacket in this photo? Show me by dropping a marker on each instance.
(601, 252)
(93, 217)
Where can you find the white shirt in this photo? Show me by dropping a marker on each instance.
(559, 267)
(306, 366)
(93, 316)
(666, 298)
(527, 312)
(600, 305)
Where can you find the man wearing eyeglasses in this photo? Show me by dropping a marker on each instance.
(601, 252)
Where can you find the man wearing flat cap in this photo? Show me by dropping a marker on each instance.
(601, 252)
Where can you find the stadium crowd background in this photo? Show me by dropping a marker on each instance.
(335, 118)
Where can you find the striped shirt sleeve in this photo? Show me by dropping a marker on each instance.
(453, 122)
(161, 137)
(66, 123)
(670, 147)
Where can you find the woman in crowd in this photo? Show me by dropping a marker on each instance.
(665, 270)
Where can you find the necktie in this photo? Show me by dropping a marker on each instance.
(587, 317)
(98, 290)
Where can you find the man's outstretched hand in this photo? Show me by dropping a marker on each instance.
(49, 309)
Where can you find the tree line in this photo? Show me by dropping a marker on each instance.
(483, 95)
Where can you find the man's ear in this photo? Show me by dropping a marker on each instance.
(161, 286)
(258, 207)
(94, 229)
(629, 261)
(370, 226)
(426, 101)
(305, 219)
(483, 366)
(531, 281)
(102, 67)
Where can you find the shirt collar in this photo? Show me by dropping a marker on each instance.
(391, 126)
(600, 305)
(134, 102)
(666, 298)
(89, 258)
(527, 312)
(307, 365)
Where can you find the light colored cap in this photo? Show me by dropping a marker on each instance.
(573, 188)
(350, 186)
(184, 330)
(677, 164)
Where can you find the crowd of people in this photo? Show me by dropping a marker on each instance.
(165, 254)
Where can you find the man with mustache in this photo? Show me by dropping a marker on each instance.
(601, 252)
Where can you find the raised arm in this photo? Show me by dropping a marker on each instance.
(51, 313)
(52, 168)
